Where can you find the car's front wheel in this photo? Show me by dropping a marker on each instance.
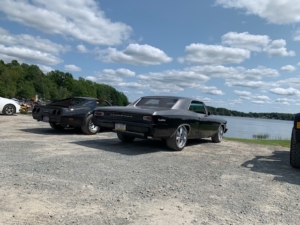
(178, 140)
(88, 127)
(294, 152)
(217, 137)
(9, 110)
(56, 126)
(125, 137)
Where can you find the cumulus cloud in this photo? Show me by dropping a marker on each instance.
(237, 73)
(80, 19)
(285, 91)
(297, 35)
(246, 41)
(45, 69)
(81, 48)
(72, 68)
(135, 54)
(28, 55)
(288, 68)
(242, 93)
(277, 12)
(110, 76)
(30, 49)
(214, 54)
(277, 48)
(250, 84)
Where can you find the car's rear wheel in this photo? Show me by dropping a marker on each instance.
(294, 152)
(217, 137)
(88, 127)
(178, 140)
(9, 110)
(56, 126)
(125, 137)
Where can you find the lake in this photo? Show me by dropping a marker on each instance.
(243, 127)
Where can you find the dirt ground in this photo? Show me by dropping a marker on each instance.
(50, 177)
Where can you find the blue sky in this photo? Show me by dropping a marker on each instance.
(239, 54)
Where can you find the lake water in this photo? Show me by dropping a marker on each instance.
(243, 127)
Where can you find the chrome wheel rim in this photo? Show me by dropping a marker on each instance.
(92, 127)
(220, 133)
(181, 136)
(9, 110)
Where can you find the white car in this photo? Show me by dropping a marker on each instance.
(8, 106)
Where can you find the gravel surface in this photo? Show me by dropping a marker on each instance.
(50, 177)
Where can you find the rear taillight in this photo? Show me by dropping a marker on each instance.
(147, 118)
(98, 113)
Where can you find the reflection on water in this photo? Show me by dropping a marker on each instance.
(243, 127)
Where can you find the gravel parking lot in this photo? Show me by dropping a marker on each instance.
(50, 177)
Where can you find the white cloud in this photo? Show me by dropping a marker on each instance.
(45, 69)
(72, 68)
(246, 41)
(258, 102)
(298, 64)
(250, 84)
(288, 68)
(215, 54)
(277, 48)
(28, 55)
(261, 97)
(135, 54)
(242, 93)
(27, 48)
(81, 48)
(80, 19)
(285, 100)
(288, 91)
(297, 35)
(112, 77)
(211, 90)
(237, 73)
(274, 11)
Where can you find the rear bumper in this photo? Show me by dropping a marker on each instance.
(64, 120)
(140, 129)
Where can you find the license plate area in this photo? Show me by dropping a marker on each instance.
(120, 126)
(45, 118)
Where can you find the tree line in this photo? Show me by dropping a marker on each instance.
(23, 81)
(273, 115)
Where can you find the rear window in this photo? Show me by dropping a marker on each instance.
(157, 102)
(68, 102)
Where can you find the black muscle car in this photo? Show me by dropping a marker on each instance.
(73, 112)
(174, 119)
(295, 143)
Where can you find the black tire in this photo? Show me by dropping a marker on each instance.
(294, 152)
(178, 140)
(217, 137)
(56, 126)
(125, 138)
(88, 127)
(9, 110)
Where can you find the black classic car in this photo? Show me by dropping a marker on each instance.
(174, 119)
(295, 143)
(73, 112)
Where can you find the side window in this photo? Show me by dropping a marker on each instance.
(197, 107)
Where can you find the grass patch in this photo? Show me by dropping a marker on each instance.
(283, 143)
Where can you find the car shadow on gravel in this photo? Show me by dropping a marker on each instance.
(137, 147)
(277, 164)
(50, 131)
